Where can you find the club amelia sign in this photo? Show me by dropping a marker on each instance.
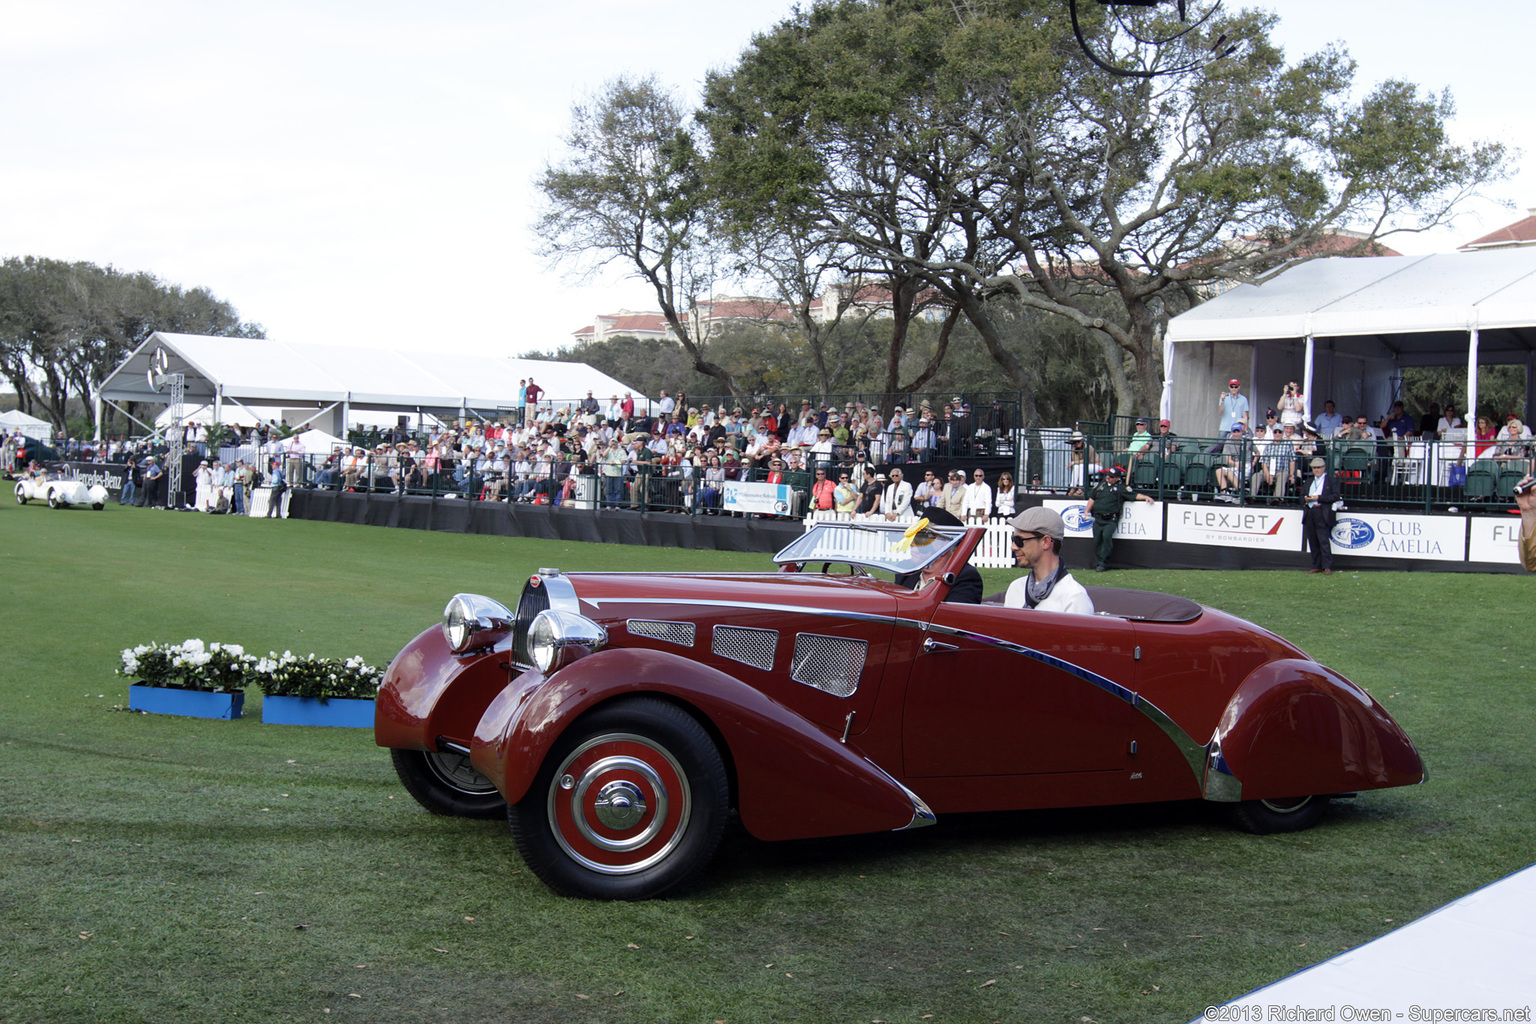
(1140, 520)
(1266, 528)
(1374, 535)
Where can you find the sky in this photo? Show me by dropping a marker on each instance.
(361, 173)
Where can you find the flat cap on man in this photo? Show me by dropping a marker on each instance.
(1039, 519)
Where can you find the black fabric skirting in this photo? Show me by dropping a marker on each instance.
(546, 522)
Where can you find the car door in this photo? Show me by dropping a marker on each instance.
(1005, 691)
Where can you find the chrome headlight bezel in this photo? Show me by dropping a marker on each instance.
(556, 638)
(472, 622)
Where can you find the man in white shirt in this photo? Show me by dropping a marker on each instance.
(1047, 587)
(897, 500)
(665, 406)
(978, 498)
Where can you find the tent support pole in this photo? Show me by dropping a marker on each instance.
(1472, 380)
(96, 402)
(1309, 362)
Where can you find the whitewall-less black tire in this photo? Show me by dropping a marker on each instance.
(446, 783)
(1264, 817)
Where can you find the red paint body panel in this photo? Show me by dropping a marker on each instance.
(794, 780)
(428, 693)
(1295, 727)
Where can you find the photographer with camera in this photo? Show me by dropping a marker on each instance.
(1525, 500)
(1292, 406)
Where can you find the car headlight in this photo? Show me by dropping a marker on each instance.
(472, 622)
(558, 638)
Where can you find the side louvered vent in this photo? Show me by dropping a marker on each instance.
(746, 644)
(680, 633)
(830, 663)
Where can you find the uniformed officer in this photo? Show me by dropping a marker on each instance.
(1106, 503)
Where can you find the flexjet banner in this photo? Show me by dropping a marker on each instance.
(1268, 529)
(1495, 539)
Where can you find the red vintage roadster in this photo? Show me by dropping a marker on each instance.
(618, 718)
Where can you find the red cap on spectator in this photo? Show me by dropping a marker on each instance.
(1234, 382)
(1164, 423)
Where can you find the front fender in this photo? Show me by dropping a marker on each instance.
(1296, 728)
(427, 692)
(793, 779)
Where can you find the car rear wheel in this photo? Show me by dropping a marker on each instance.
(1263, 817)
(446, 783)
(630, 802)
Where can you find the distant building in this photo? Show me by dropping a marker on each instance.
(709, 318)
(1512, 236)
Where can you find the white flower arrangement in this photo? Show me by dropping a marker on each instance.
(287, 675)
(189, 665)
(194, 665)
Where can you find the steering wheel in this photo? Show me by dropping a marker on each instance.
(852, 570)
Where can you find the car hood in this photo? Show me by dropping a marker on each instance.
(611, 595)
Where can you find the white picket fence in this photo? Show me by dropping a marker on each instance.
(994, 552)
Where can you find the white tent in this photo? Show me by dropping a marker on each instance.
(324, 383)
(31, 426)
(1345, 327)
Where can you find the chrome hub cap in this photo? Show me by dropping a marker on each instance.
(619, 803)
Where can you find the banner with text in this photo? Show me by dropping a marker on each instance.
(1141, 521)
(1270, 529)
(1495, 539)
(756, 498)
(1394, 535)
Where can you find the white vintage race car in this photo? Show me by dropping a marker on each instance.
(61, 493)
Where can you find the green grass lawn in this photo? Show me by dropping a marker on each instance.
(157, 868)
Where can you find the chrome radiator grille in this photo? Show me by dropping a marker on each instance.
(680, 633)
(748, 645)
(830, 663)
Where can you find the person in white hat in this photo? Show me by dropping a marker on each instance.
(1048, 587)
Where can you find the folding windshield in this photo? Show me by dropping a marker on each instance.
(884, 546)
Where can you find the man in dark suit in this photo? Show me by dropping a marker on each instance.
(1319, 517)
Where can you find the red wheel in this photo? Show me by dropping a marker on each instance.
(631, 803)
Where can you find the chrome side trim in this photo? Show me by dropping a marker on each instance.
(922, 814)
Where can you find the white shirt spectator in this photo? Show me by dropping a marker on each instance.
(978, 499)
(897, 499)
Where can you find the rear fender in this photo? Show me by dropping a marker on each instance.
(427, 692)
(793, 779)
(1296, 728)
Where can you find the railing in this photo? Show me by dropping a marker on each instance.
(1404, 474)
(1399, 473)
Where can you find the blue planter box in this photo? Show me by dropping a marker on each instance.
(161, 700)
(344, 712)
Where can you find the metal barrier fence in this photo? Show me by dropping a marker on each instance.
(1399, 473)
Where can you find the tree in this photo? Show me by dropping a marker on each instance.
(65, 326)
(631, 191)
(1061, 184)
